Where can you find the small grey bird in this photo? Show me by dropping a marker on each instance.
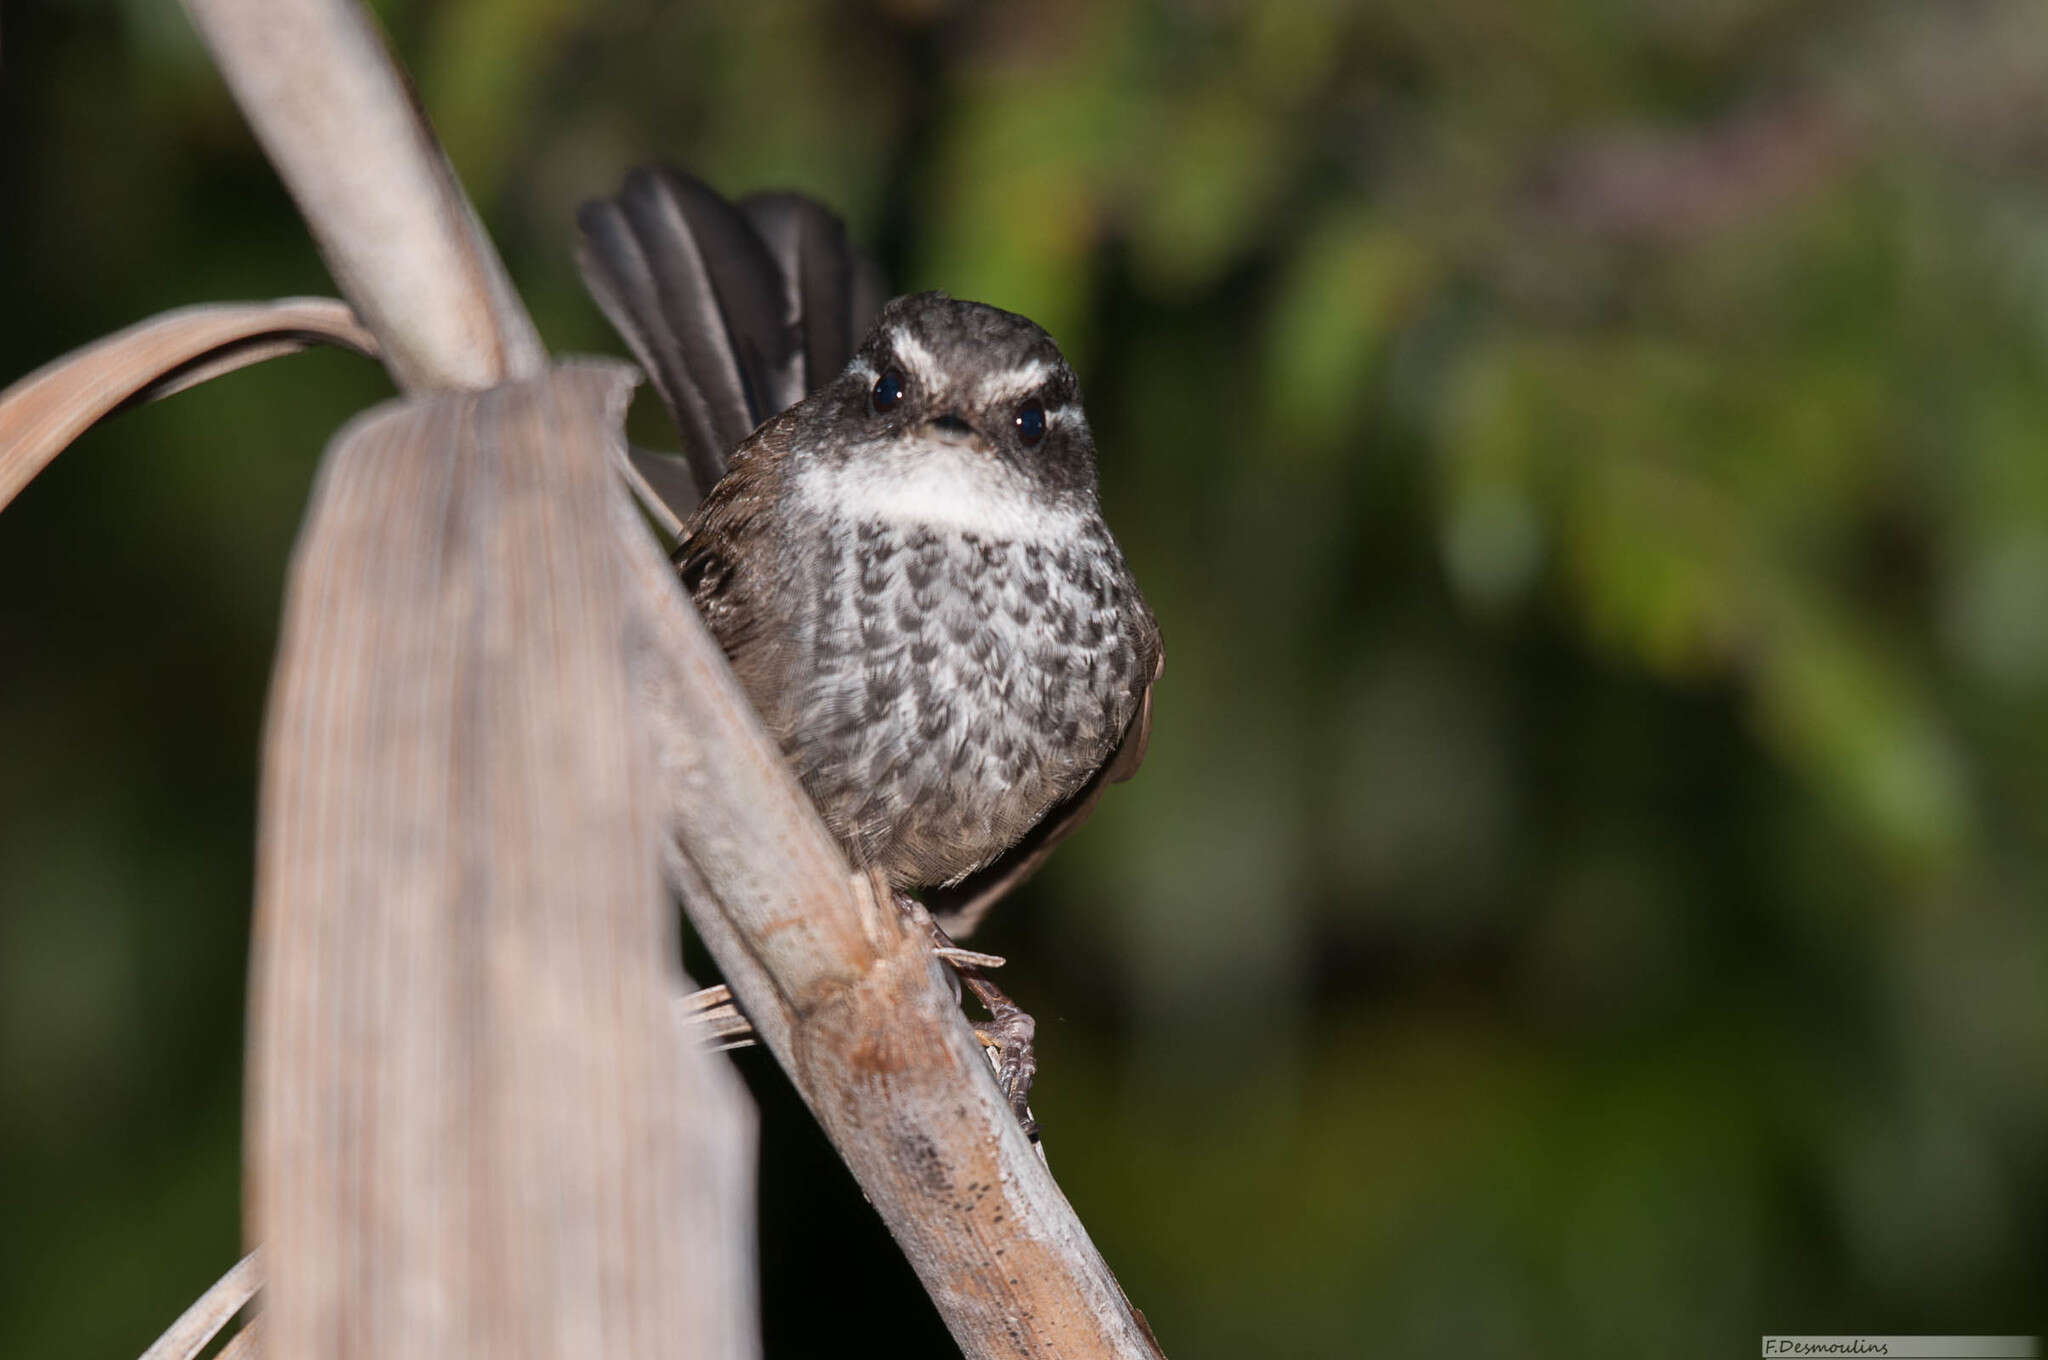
(898, 544)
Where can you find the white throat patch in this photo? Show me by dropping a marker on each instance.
(938, 485)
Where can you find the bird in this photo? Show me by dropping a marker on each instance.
(890, 524)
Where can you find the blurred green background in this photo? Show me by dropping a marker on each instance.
(1586, 893)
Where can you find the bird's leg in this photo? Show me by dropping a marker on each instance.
(1007, 1035)
(1009, 1032)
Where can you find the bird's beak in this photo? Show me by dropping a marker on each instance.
(952, 426)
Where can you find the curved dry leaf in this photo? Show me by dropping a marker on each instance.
(203, 1321)
(44, 412)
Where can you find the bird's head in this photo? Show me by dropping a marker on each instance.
(941, 384)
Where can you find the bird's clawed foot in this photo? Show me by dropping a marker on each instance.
(1007, 1037)
(1007, 1034)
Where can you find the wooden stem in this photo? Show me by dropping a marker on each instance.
(339, 123)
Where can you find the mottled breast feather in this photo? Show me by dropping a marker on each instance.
(958, 686)
(938, 688)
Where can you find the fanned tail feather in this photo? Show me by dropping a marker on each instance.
(831, 292)
(736, 312)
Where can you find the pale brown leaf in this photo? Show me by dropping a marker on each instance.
(43, 413)
(478, 1128)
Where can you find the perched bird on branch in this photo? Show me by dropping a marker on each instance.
(890, 525)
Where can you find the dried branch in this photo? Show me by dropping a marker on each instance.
(339, 123)
(41, 414)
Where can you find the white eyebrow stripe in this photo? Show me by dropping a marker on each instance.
(922, 363)
(1019, 382)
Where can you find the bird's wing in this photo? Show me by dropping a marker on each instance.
(735, 561)
(959, 908)
(720, 556)
(735, 311)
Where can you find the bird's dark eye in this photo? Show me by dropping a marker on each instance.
(1031, 421)
(888, 389)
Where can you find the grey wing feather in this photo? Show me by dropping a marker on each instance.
(721, 564)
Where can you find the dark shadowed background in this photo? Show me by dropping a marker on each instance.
(1590, 462)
